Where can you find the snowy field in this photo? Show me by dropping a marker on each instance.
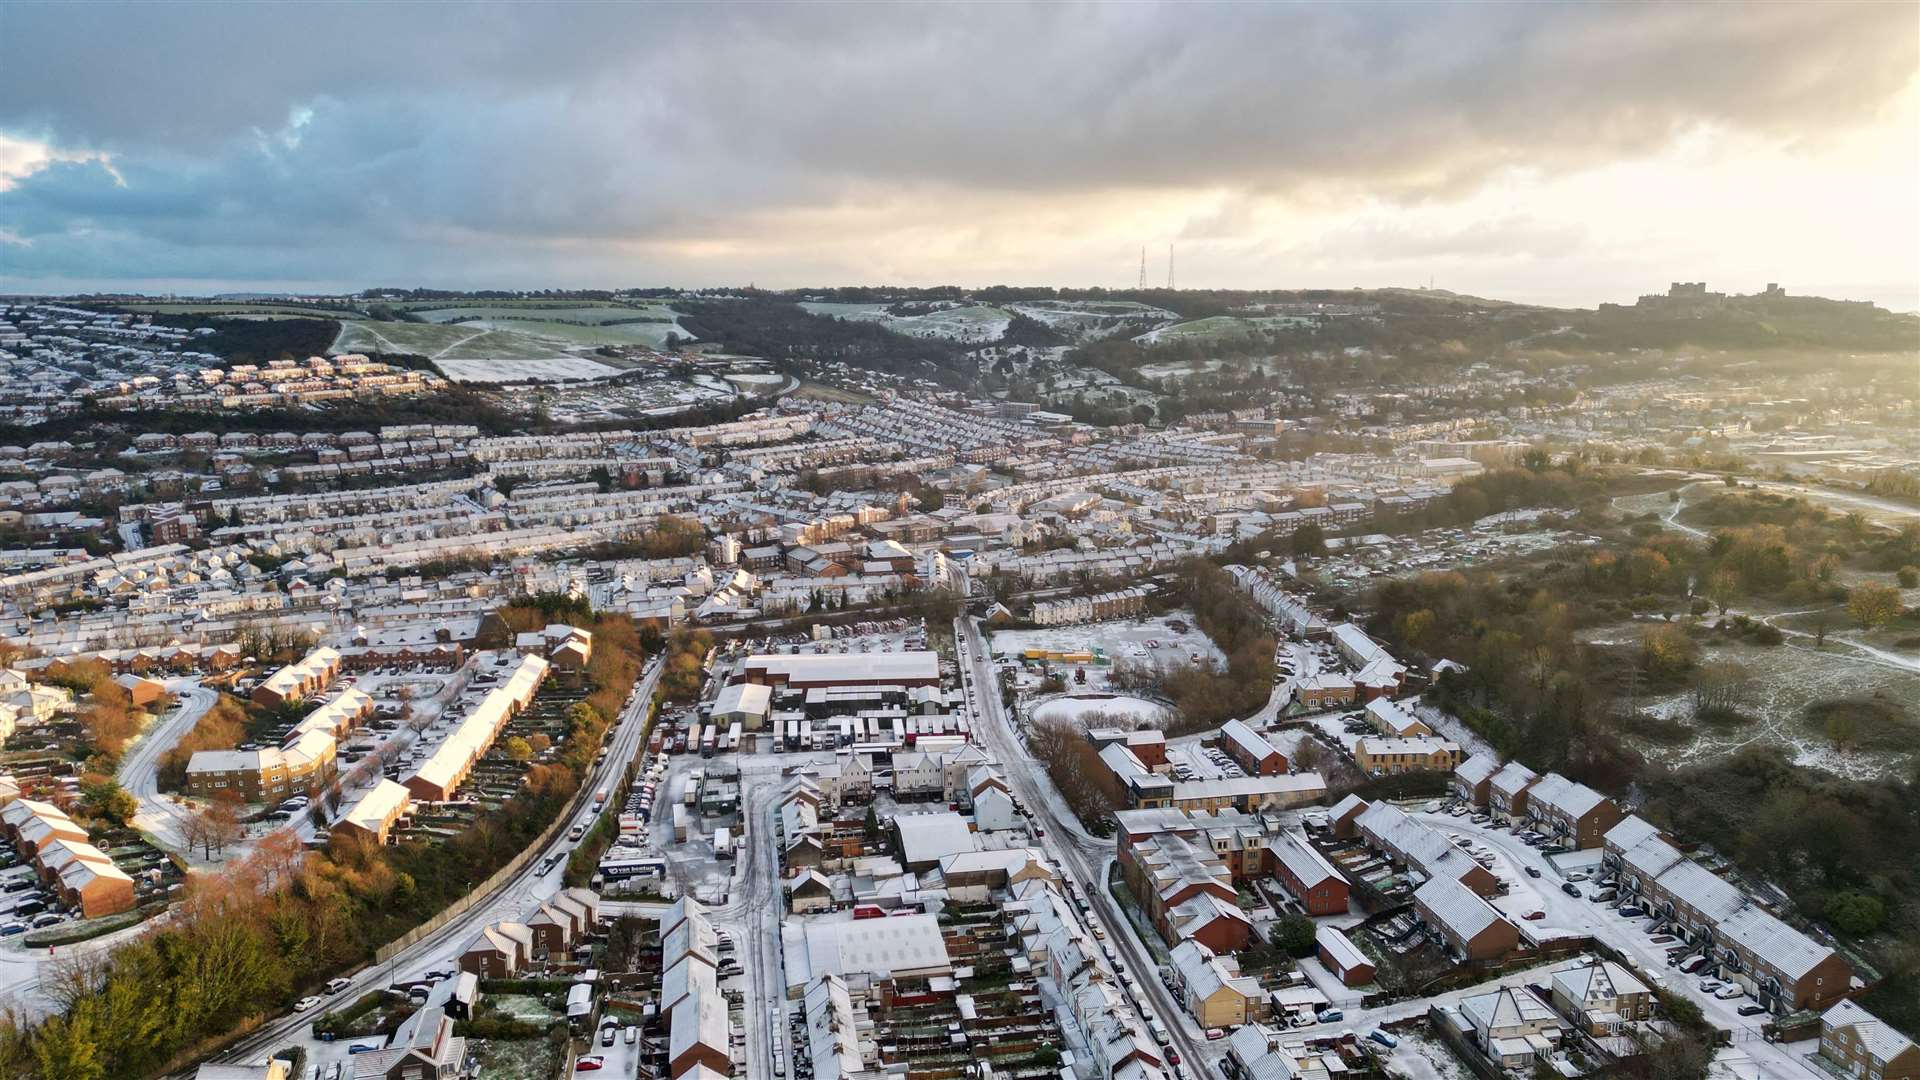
(523, 337)
(1220, 327)
(1125, 711)
(548, 369)
(1179, 371)
(973, 322)
(1090, 319)
(1778, 684)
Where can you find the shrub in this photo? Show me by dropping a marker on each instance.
(1856, 913)
(1293, 935)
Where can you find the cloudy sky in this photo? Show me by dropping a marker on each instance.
(1561, 154)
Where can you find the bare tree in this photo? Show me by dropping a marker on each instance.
(73, 977)
(1719, 688)
(216, 827)
(1084, 781)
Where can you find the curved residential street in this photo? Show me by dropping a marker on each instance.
(160, 817)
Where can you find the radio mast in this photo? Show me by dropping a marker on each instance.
(1169, 267)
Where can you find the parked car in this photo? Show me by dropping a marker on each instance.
(1570, 889)
(306, 1003)
(1535, 915)
(1531, 871)
(1383, 1038)
(633, 1034)
(363, 1048)
(1328, 1016)
(13, 928)
(1751, 1010)
(1708, 986)
(607, 1034)
(51, 918)
(1729, 992)
(590, 1064)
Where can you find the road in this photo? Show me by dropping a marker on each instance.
(160, 817)
(1082, 856)
(514, 898)
(751, 916)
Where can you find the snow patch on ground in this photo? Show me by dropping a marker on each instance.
(1139, 711)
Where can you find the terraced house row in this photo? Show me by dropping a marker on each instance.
(65, 859)
(1782, 968)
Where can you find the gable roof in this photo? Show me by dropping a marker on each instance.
(1556, 792)
(1632, 830)
(1881, 1041)
(1457, 907)
(1248, 741)
(1512, 778)
(1308, 866)
(1477, 769)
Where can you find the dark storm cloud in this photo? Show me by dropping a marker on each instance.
(414, 136)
